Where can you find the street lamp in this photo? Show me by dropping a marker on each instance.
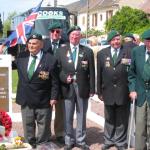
(55, 3)
(87, 21)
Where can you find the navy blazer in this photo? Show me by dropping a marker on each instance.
(37, 91)
(48, 45)
(112, 79)
(85, 71)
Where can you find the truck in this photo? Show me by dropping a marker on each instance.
(45, 16)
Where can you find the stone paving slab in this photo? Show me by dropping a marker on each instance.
(94, 131)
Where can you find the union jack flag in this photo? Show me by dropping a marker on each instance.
(19, 36)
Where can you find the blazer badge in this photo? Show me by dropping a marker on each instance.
(81, 55)
(126, 61)
(69, 57)
(84, 64)
(107, 63)
(44, 75)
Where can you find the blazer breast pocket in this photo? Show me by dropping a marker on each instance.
(84, 64)
(43, 75)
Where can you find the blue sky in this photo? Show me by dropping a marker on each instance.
(9, 6)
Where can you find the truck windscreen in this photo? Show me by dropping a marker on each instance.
(49, 15)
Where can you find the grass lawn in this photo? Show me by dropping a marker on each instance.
(14, 80)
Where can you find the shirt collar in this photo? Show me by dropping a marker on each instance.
(55, 41)
(38, 55)
(71, 46)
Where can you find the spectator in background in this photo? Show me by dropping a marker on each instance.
(77, 75)
(51, 45)
(138, 40)
(139, 86)
(1, 49)
(129, 41)
(54, 41)
(112, 88)
(37, 90)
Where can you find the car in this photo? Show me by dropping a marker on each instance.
(2, 40)
(85, 42)
(104, 42)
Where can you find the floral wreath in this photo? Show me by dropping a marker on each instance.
(5, 120)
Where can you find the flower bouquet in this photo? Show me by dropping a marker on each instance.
(5, 123)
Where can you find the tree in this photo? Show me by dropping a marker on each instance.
(1, 26)
(128, 20)
(7, 23)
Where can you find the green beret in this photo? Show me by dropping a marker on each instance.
(73, 28)
(112, 34)
(129, 35)
(146, 34)
(54, 25)
(35, 36)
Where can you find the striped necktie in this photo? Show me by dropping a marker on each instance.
(115, 56)
(32, 67)
(146, 69)
(74, 54)
(54, 46)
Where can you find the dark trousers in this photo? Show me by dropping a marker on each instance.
(59, 118)
(116, 125)
(142, 134)
(33, 118)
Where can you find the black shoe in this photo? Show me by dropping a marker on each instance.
(69, 147)
(121, 148)
(33, 146)
(60, 140)
(83, 147)
(105, 147)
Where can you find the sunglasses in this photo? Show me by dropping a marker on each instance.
(57, 31)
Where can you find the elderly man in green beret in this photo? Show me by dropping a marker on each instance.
(139, 86)
(55, 40)
(77, 74)
(37, 90)
(129, 41)
(52, 44)
(112, 89)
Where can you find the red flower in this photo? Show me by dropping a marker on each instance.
(5, 120)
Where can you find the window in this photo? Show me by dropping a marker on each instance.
(109, 14)
(101, 17)
(83, 20)
(94, 20)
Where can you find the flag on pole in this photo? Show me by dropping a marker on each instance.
(19, 36)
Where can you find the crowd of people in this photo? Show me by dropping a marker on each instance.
(60, 74)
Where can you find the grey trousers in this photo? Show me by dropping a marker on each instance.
(81, 108)
(33, 118)
(116, 124)
(142, 132)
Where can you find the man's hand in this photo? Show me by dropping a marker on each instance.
(133, 95)
(91, 94)
(1, 49)
(100, 97)
(53, 102)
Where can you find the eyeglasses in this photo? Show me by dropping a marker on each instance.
(57, 31)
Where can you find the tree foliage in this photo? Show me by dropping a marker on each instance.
(92, 32)
(128, 20)
(7, 23)
(1, 26)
